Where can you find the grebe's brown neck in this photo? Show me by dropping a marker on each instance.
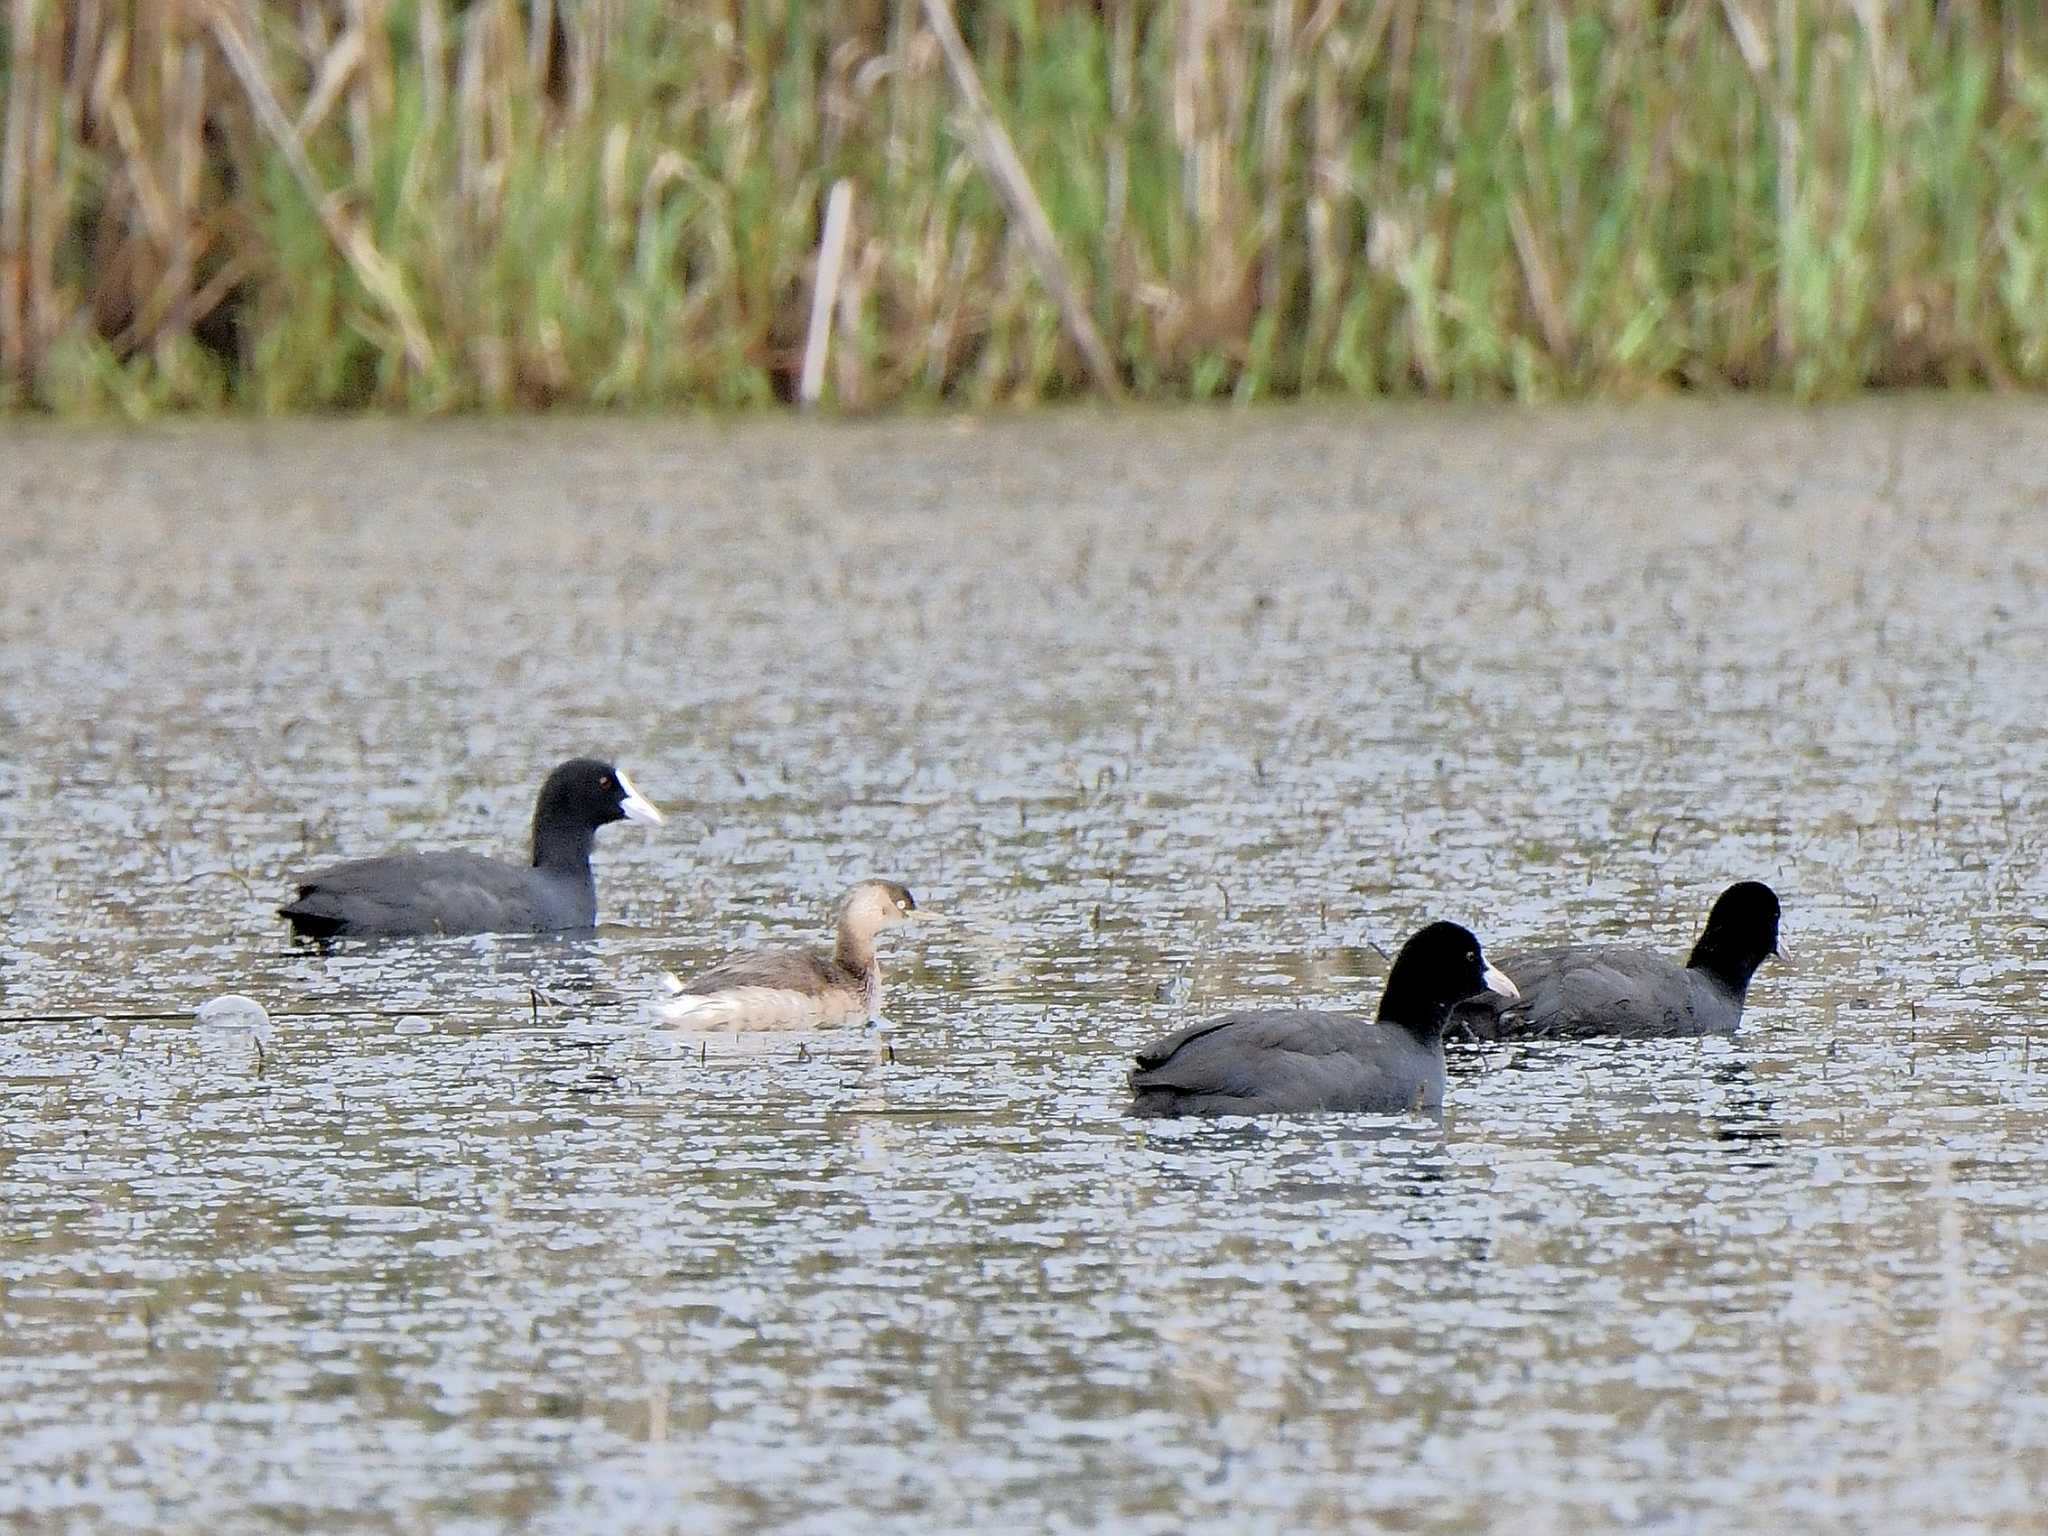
(868, 908)
(855, 950)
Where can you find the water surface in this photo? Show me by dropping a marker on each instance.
(1171, 712)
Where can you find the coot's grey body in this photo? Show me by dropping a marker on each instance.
(799, 988)
(1279, 1061)
(1263, 1061)
(406, 895)
(422, 893)
(1608, 990)
(1629, 993)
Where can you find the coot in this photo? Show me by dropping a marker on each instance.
(410, 894)
(1617, 989)
(1268, 1061)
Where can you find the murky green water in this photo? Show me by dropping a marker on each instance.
(1172, 713)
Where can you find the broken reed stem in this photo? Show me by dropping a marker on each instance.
(825, 290)
(350, 238)
(14, 158)
(1000, 163)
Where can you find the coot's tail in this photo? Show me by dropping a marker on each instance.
(310, 922)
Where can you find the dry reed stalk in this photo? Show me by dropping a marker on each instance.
(184, 115)
(338, 66)
(1232, 243)
(15, 133)
(1542, 281)
(946, 322)
(371, 20)
(1185, 249)
(1123, 68)
(540, 36)
(1006, 172)
(378, 277)
(45, 226)
(853, 298)
(1464, 65)
(1325, 184)
(825, 291)
(1788, 175)
(1400, 73)
(1282, 88)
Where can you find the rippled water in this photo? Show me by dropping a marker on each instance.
(1170, 713)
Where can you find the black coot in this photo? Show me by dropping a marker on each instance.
(410, 894)
(1614, 989)
(1283, 1061)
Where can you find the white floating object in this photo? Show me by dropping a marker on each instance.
(233, 1014)
(231, 1010)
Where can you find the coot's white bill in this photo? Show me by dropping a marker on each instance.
(1497, 981)
(636, 806)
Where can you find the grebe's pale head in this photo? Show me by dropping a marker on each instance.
(874, 905)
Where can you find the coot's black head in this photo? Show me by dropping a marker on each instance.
(578, 798)
(1439, 967)
(585, 792)
(1741, 933)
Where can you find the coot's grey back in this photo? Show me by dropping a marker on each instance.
(1616, 990)
(1283, 1061)
(402, 894)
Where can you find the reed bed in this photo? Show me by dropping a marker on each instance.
(438, 205)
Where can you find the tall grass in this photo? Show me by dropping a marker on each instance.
(443, 204)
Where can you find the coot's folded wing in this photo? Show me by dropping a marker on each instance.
(1610, 989)
(1269, 1059)
(405, 894)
